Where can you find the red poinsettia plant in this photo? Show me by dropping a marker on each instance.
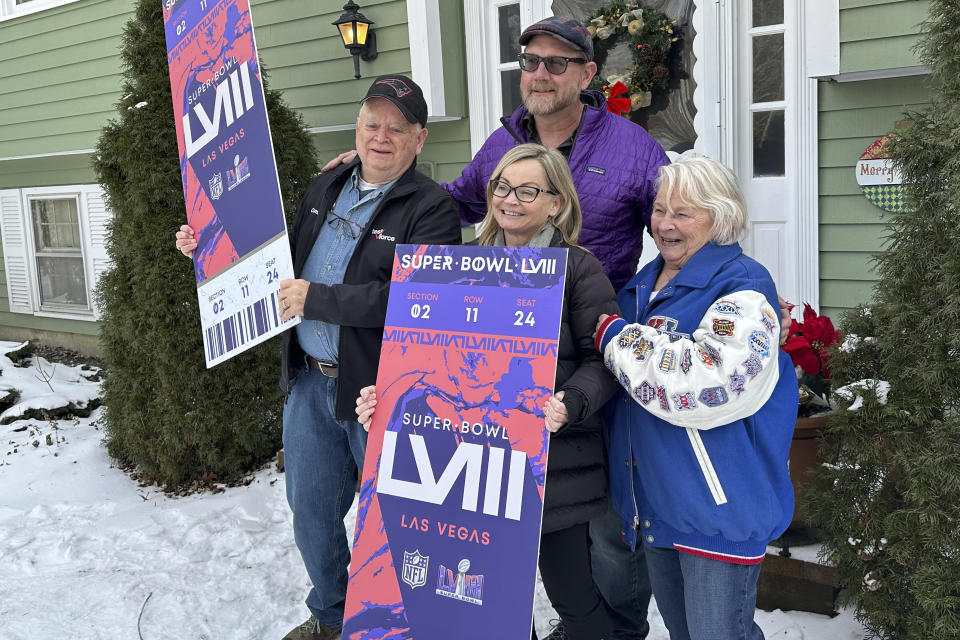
(808, 346)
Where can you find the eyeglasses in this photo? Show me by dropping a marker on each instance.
(524, 194)
(554, 64)
(349, 227)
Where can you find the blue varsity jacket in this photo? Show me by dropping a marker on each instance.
(700, 431)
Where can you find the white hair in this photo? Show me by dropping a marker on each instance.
(705, 183)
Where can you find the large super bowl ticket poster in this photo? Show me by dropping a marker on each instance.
(230, 182)
(448, 524)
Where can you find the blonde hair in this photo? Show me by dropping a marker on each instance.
(705, 183)
(569, 217)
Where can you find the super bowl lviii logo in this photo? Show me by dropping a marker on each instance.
(460, 585)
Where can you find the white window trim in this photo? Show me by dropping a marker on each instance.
(19, 246)
(9, 10)
(821, 25)
(426, 53)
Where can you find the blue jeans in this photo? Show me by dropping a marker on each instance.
(704, 599)
(621, 576)
(321, 455)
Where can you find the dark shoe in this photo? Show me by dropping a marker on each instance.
(557, 633)
(313, 629)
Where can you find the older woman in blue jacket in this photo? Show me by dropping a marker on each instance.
(701, 430)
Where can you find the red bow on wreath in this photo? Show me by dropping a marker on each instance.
(616, 105)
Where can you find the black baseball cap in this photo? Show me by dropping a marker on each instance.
(403, 92)
(567, 30)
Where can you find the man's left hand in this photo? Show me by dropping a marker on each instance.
(293, 296)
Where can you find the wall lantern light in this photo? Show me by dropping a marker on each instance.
(357, 35)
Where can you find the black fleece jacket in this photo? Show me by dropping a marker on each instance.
(416, 211)
(576, 467)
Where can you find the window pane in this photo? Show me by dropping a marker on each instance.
(767, 12)
(510, 90)
(768, 68)
(55, 224)
(508, 23)
(768, 143)
(61, 281)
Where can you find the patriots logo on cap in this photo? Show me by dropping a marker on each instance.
(399, 86)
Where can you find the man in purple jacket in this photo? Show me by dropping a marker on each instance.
(614, 163)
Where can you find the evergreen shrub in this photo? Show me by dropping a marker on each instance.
(166, 412)
(891, 516)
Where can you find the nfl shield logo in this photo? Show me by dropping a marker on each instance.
(415, 569)
(216, 186)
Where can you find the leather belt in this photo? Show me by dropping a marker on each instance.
(326, 368)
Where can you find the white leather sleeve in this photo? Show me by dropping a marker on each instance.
(725, 372)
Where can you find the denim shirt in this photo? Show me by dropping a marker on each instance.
(327, 262)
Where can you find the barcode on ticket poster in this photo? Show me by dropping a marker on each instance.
(245, 325)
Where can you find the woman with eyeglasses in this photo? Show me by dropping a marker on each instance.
(531, 202)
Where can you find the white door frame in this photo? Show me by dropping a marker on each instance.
(718, 125)
(483, 82)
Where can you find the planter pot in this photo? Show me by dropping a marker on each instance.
(803, 456)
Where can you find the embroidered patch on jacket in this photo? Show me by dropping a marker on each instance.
(713, 351)
(642, 349)
(624, 380)
(705, 358)
(667, 326)
(753, 365)
(684, 401)
(380, 235)
(598, 170)
(726, 308)
(668, 361)
(760, 343)
(737, 380)
(662, 397)
(645, 392)
(768, 320)
(686, 361)
(723, 328)
(628, 336)
(713, 396)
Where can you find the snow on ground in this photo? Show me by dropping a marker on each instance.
(86, 553)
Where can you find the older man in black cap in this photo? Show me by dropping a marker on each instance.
(343, 242)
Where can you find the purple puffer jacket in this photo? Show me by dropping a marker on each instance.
(614, 164)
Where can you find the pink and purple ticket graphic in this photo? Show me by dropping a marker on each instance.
(226, 155)
(451, 499)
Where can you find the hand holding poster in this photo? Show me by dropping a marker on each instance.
(448, 524)
(229, 173)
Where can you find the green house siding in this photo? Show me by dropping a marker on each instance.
(852, 116)
(61, 82)
(879, 34)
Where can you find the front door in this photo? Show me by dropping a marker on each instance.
(766, 132)
(493, 30)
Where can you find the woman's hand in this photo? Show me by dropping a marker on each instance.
(186, 242)
(293, 296)
(603, 317)
(555, 413)
(785, 320)
(366, 403)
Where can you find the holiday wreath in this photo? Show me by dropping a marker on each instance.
(651, 35)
